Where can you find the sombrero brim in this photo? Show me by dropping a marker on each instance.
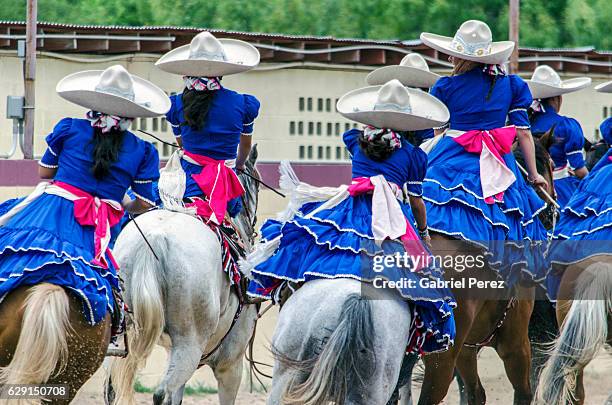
(500, 51)
(604, 87)
(241, 57)
(427, 111)
(543, 90)
(407, 75)
(80, 88)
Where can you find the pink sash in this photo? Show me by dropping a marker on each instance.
(388, 219)
(495, 176)
(99, 213)
(219, 183)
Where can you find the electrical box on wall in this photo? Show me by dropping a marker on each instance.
(14, 107)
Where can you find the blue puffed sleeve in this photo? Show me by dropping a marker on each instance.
(521, 100)
(416, 172)
(173, 116)
(147, 175)
(439, 91)
(605, 129)
(351, 140)
(251, 110)
(55, 143)
(570, 130)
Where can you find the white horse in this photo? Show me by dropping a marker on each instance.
(586, 325)
(183, 301)
(339, 340)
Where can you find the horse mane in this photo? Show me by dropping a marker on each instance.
(541, 142)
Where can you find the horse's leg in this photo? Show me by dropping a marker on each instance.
(467, 365)
(440, 367)
(228, 376)
(185, 356)
(513, 347)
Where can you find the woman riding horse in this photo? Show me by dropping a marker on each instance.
(477, 200)
(547, 89)
(335, 234)
(212, 124)
(581, 280)
(55, 242)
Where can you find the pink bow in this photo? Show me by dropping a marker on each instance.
(389, 215)
(495, 176)
(219, 183)
(101, 214)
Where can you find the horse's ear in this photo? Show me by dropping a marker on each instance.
(547, 139)
(253, 155)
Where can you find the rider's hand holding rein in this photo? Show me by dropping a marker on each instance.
(525, 140)
(244, 148)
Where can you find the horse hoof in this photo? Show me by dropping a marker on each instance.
(158, 398)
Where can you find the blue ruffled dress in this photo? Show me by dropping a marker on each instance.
(45, 243)
(566, 149)
(339, 243)
(231, 115)
(452, 187)
(585, 225)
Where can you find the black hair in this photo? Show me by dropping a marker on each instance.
(195, 107)
(106, 148)
(377, 149)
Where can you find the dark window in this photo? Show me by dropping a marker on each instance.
(605, 112)
(309, 151)
(320, 152)
(292, 128)
(166, 150)
(328, 152)
(309, 104)
(337, 129)
(347, 126)
(300, 128)
(336, 105)
(302, 151)
(319, 129)
(134, 125)
(143, 124)
(310, 128)
(301, 104)
(319, 104)
(346, 154)
(164, 125)
(155, 124)
(328, 104)
(355, 125)
(338, 152)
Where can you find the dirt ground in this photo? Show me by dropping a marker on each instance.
(598, 377)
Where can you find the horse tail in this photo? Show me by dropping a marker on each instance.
(147, 306)
(583, 333)
(42, 349)
(344, 362)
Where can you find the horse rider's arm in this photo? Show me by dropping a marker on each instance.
(243, 151)
(136, 206)
(46, 173)
(525, 140)
(581, 173)
(419, 211)
(179, 141)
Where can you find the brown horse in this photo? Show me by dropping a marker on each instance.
(44, 339)
(586, 325)
(500, 323)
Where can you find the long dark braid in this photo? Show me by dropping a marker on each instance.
(106, 151)
(195, 107)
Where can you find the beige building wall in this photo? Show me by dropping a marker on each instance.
(297, 119)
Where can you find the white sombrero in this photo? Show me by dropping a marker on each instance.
(545, 83)
(393, 106)
(412, 72)
(604, 87)
(114, 91)
(210, 57)
(472, 41)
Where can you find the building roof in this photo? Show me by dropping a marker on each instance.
(278, 48)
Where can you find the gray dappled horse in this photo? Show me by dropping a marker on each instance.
(182, 301)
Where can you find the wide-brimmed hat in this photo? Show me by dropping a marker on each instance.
(210, 57)
(604, 87)
(412, 71)
(393, 106)
(545, 83)
(114, 91)
(472, 41)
